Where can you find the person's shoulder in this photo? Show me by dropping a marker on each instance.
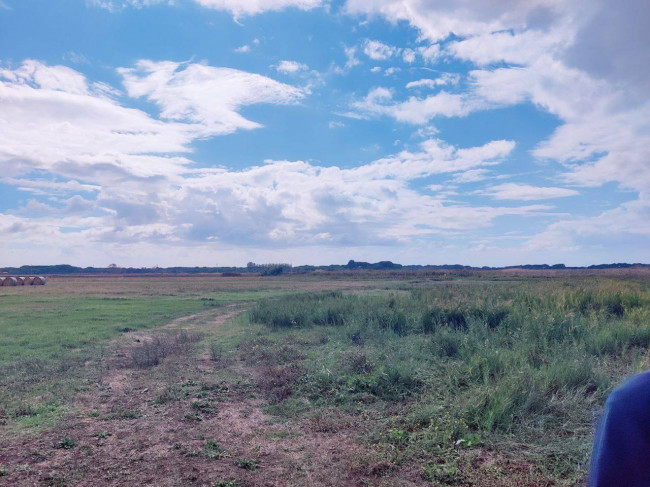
(634, 390)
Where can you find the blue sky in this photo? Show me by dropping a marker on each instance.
(216, 132)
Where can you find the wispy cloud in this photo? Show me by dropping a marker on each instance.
(206, 97)
(252, 7)
(290, 67)
(527, 192)
(378, 51)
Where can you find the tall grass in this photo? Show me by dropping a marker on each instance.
(533, 358)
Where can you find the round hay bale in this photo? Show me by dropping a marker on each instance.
(29, 281)
(21, 281)
(39, 281)
(10, 281)
(2, 280)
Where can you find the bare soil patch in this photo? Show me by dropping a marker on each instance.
(193, 421)
(175, 424)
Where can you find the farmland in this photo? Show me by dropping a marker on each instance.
(364, 378)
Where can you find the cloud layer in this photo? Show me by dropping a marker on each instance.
(113, 165)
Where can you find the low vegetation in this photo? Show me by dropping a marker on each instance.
(422, 380)
(456, 366)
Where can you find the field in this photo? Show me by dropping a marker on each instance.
(368, 378)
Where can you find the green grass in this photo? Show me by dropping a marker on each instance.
(429, 368)
(464, 364)
(53, 341)
(49, 328)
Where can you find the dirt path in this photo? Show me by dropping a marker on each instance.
(187, 421)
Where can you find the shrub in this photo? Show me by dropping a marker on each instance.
(356, 362)
(277, 382)
(504, 405)
(216, 352)
(492, 318)
(395, 383)
(247, 463)
(151, 352)
(66, 443)
(568, 376)
(446, 343)
(434, 318)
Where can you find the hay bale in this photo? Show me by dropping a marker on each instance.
(10, 281)
(21, 281)
(39, 281)
(2, 279)
(28, 280)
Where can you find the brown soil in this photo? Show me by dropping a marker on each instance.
(191, 421)
(122, 436)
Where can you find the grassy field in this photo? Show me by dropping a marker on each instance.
(347, 379)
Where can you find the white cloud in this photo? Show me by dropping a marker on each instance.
(350, 54)
(436, 157)
(527, 192)
(203, 95)
(584, 62)
(516, 48)
(290, 67)
(408, 55)
(444, 79)
(57, 78)
(243, 49)
(437, 20)
(41, 186)
(580, 61)
(119, 5)
(240, 8)
(429, 53)
(471, 176)
(626, 227)
(427, 132)
(52, 119)
(258, 207)
(379, 101)
(378, 51)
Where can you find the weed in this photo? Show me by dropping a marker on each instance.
(203, 407)
(247, 463)
(446, 473)
(216, 352)
(434, 318)
(65, 443)
(169, 394)
(399, 438)
(277, 382)
(214, 450)
(151, 352)
(121, 413)
(356, 362)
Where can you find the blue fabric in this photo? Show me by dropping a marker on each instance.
(621, 454)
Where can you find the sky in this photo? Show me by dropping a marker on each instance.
(217, 132)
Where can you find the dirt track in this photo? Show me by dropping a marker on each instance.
(176, 424)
